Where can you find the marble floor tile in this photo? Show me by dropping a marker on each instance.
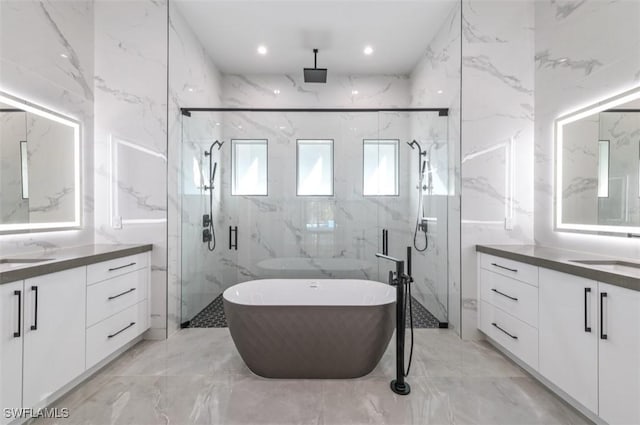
(197, 377)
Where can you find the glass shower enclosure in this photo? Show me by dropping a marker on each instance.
(313, 194)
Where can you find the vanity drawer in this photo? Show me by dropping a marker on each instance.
(116, 267)
(513, 334)
(514, 269)
(514, 297)
(111, 296)
(107, 336)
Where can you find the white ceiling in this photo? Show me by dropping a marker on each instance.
(399, 31)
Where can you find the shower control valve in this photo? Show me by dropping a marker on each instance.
(206, 236)
(206, 220)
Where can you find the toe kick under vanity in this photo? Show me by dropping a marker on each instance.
(569, 318)
(64, 315)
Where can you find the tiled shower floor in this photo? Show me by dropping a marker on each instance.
(213, 316)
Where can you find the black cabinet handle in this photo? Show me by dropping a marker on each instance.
(122, 267)
(35, 312)
(499, 328)
(121, 330)
(505, 268)
(18, 293)
(504, 295)
(603, 335)
(587, 291)
(113, 297)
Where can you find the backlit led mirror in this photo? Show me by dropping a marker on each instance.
(39, 168)
(598, 167)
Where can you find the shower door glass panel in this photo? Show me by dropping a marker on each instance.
(203, 272)
(334, 235)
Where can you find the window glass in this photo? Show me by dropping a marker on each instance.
(248, 167)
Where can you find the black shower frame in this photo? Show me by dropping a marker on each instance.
(442, 112)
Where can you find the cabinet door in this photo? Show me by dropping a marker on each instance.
(54, 342)
(568, 335)
(11, 296)
(619, 355)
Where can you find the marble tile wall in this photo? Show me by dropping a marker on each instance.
(576, 64)
(131, 123)
(47, 58)
(497, 134)
(194, 81)
(435, 81)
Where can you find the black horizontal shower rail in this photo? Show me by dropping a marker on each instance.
(622, 110)
(11, 110)
(443, 112)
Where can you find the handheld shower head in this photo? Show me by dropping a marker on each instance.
(413, 144)
(424, 165)
(213, 172)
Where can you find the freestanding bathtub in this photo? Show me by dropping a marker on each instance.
(310, 328)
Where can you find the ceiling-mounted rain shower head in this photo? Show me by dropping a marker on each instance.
(315, 74)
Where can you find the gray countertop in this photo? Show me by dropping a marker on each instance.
(560, 260)
(65, 258)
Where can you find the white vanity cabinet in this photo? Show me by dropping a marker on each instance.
(619, 355)
(54, 333)
(11, 333)
(580, 335)
(56, 328)
(568, 335)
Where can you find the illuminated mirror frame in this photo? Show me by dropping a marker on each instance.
(76, 223)
(596, 108)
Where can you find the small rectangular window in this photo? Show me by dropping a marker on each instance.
(315, 168)
(380, 168)
(249, 167)
(603, 169)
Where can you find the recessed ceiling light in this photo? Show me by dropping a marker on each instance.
(282, 127)
(217, 123)
(276, 91)
(354, 92)
(262, 50)
(439, 92)
(561, 60)
(368, 50)
(190, 89)
(64, 55)
(240, 127)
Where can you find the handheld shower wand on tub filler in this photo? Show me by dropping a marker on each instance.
(402, 282)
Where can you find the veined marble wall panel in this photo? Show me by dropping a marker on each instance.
(131, 105)
(46, 57)
(585, 52)
(497, 134)
(290, 91)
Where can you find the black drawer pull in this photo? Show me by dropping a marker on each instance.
(34, 327)
(122, 330)
(499, 328)
(121, 294)
(587, 328)
(122, 267)
(505, 268)
(504, 295)
(603, 335)
(18, 293)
